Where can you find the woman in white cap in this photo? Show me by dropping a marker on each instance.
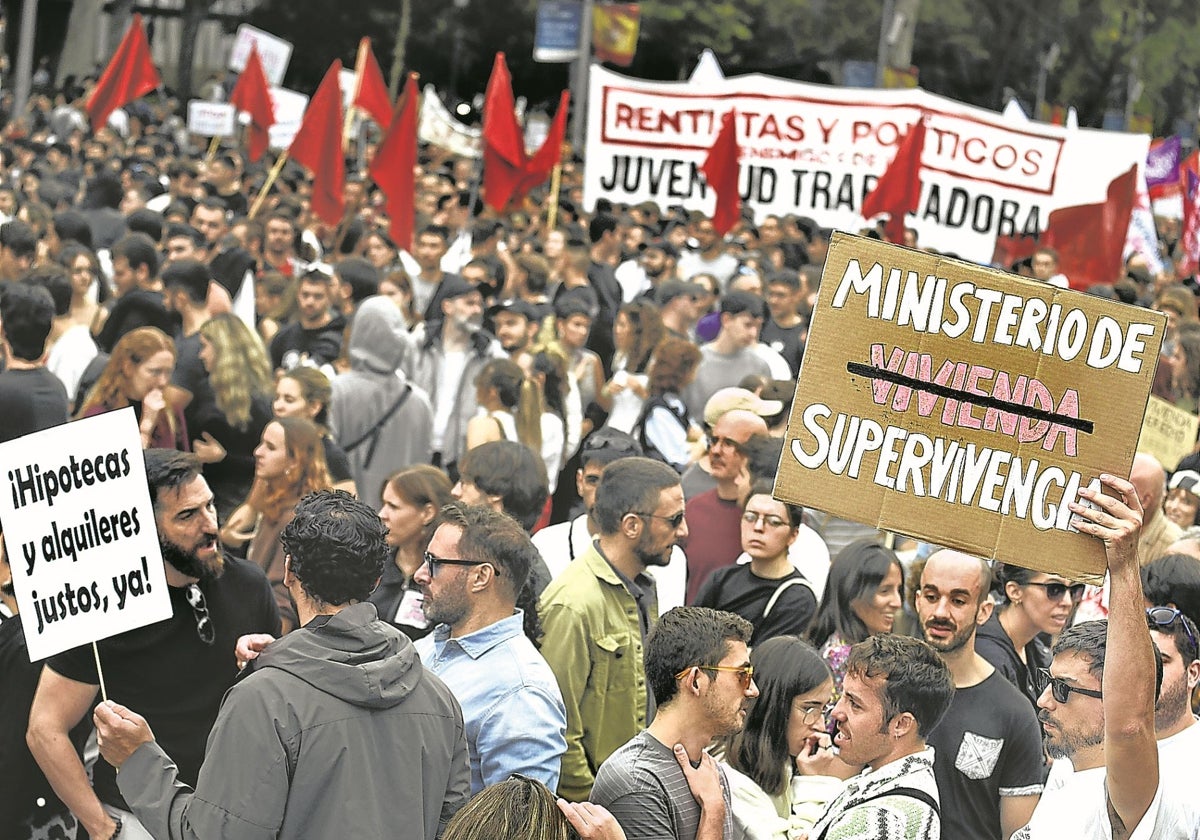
(1182, 505)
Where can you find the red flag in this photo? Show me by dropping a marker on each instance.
(130, 74)
(543, 161)
(318, 147)
(721, 172)
(504, 157)
(898, 191)
(252, 95)
(370, 93)
(394, 163)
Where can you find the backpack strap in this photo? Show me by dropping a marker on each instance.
(783, 587)
(373, 432)
(910, 792)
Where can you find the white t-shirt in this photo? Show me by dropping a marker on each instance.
(454, 362)
(1074, 804)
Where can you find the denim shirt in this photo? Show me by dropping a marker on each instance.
(512, 707)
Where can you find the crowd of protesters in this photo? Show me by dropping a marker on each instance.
(474, 536)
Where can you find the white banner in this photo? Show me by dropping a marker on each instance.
(274, 52)
(80, 535)
(815, 151)
(211, 119)
(289, 109)
(439, 128)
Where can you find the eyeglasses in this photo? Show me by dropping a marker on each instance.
(1055, 590)
(1061, 690)
(745, 672)
(204, 625)
(736, 446)
(433, 562)
(673, 521)
(812, 714)
(751, 517)
(1165, 617)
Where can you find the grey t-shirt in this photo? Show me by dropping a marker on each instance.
(644, 787)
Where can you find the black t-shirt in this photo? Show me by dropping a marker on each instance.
(988, 745)
(400, 603)
(136, 308)
(786, 341)
(738, 590)
(336, 460)
(165, 673)
(231, 477)
(30, 400)
(321, 344)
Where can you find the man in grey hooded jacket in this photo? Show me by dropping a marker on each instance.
(335, 730)
(382, 420)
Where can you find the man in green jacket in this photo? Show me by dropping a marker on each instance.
(598, 611)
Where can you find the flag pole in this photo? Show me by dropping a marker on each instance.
(212, 150)
(270, 182)
(100, 673)
(555, 188)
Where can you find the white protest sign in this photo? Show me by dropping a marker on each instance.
(274, 52)
(439, 128)
(211, 119)
(816, 151)
(289, 113)
(80, 535)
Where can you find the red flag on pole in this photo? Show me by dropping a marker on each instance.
(394, 163)
(543, 161)
(131, 73)
(370, 93)
(721, 172)
(504, 157)
(252, 95)
(1090, 238)
(318, 147)
(898, 191)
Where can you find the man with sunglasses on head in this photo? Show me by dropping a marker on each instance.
(1097, 707)
(561, 544)
(989, 767)
(662, 783)
(335, 730)
(1175, 726)
(598, 612)
(484, 647)
(174, 672)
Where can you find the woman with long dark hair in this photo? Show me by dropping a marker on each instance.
(780, 767)
(412, 500)
(862, 597)
(664, 429)
(637, 330)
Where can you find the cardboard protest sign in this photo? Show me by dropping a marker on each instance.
(964, 405)
(211, 119)
(80, 535)
(816, 151)
(1168, 433)
(274, 52)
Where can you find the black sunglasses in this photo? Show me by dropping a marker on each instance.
(1061, 690)
(433, 562)
(1055, 590)
(204, 625)
(1165, 617)
(673, 521)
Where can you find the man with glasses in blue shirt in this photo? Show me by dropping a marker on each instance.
(477, 563)
(1097, 706)
(174, 672)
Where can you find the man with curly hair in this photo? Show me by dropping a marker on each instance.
(338, 730)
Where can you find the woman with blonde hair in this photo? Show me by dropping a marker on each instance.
(521, 808)
(137, 374)
(229, 419)
(289, 463)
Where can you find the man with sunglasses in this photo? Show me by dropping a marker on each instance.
(599, 610)
(174, 672)
(1178, 734)
(989, 765)
(477, 563)
(560, 544)
(662, 783)
(1097, 707)
(335, 730)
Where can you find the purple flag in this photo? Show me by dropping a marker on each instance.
(1162, 163)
